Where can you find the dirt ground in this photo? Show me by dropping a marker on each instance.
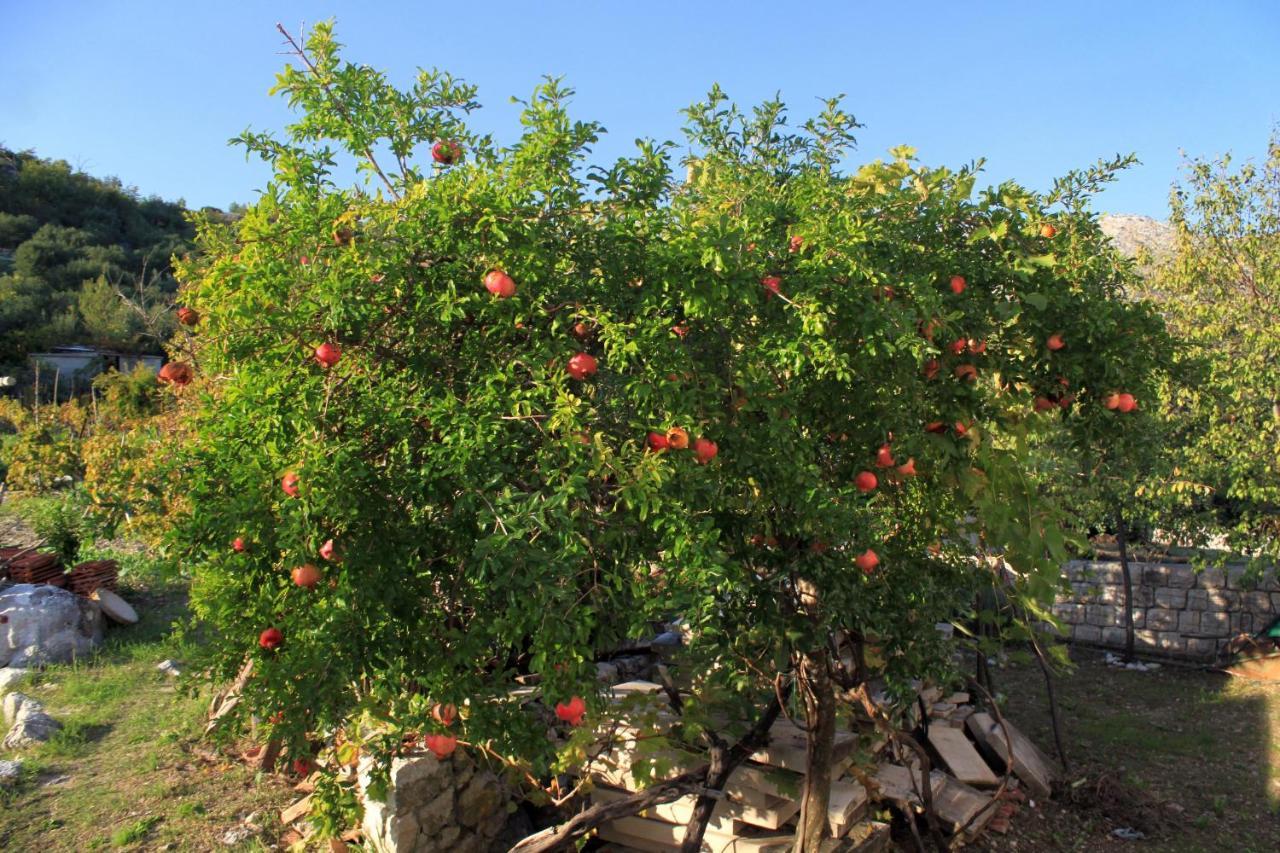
(1188, 758)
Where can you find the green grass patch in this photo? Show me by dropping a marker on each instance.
(134, 832)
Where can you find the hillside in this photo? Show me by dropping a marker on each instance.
(1130, 232)
(70, 245)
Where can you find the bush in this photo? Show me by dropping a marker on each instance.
(665, 404)
(62, 522)
(43, 458)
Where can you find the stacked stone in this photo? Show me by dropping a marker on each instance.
(1178, 612)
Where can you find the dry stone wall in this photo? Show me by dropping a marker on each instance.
(1178, 611)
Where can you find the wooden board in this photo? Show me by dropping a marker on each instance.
(961, 758)
(630, 830)
(847, 805)
(898, 785)
(677, 811)
(750, 789)
(631, 688)
(1029, 763)
(787, 748)
(956, 804)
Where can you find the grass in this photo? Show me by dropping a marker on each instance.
(122, 773)
(1196, 753)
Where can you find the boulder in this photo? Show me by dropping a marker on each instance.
(28, 721)
(10, 677)
(10, 773)
(434, 806)
(44, 624)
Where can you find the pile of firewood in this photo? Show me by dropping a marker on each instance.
(89, 576)
(968, 789)
(27, 566)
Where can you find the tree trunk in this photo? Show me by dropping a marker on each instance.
(1122, 541)
(723, 763)
(820, 718)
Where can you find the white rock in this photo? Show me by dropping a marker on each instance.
(10, 773)
(29, 723)
(46, 624)
(237, 835)
(170, 667)
(10, 676)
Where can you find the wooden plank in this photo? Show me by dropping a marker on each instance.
(961, 758)
(787, 748)
(610, 832)
(772, 816)
(847, 805)
(751, 789)
(631, 688)
(956, 804)
(676, 812)
(1029, 763)
(898, 785)
(299, 809)
(657, 832)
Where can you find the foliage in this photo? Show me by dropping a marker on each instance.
(126, 469)
(496, 516)
(122, 397)
(68, 240)
(43, 457)
(1221, 292)
(61, 522)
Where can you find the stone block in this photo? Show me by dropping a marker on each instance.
(1101, 615)
(1072, 614)
(1197, 599)
(1259, 603)
(1171, 598)
(1151, 575)
(1170, 642)
(1275, 600)
(1180, 577)
(1159, 619)
(1188, 622)
(1242, 622)
(1144, 596)
(1087, 634)
(1211, 578)
(1111, 594)
(1222, 599)
(1146, 639)
(1201, 649)
(1074, 570)
(1113, 637)
(1105, 573)
(1215, 622)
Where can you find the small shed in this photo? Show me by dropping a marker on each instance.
(75, 364)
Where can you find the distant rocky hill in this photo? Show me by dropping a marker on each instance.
(1130, 232)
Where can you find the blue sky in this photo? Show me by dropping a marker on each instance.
(150, 92)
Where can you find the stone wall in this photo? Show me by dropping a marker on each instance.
(455, 805)
(1178, 612)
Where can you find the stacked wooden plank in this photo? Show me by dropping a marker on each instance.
(761, 799)
(92, 575)
(760, 803)
(37, 567)
(8, 554)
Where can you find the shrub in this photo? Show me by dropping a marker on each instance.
(503, 506)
